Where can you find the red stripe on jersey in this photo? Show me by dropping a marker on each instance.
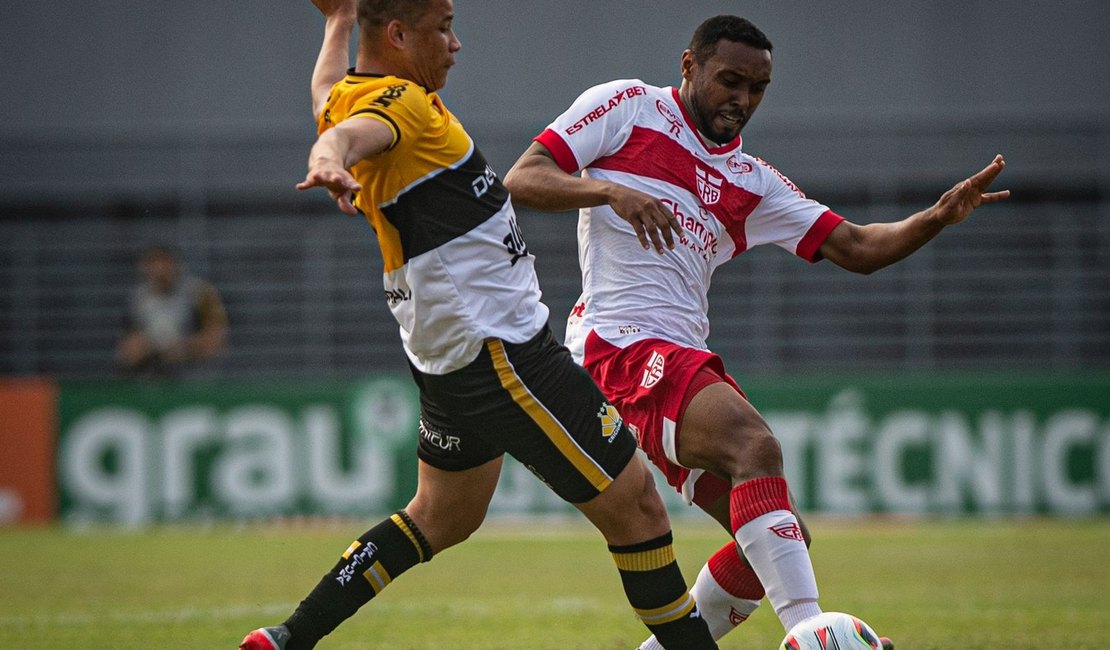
(810, 246)
(562, 154)
(654, 155)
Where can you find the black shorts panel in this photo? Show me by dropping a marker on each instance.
(530, 400)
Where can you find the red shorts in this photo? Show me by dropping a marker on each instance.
(651, 382)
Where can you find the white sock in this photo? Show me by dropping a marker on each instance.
(721, 610)
(774, 546)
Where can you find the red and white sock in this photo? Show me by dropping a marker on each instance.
(727, 592)
(771, 538)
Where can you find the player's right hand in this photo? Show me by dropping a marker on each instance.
(339, 184)
(654, 223)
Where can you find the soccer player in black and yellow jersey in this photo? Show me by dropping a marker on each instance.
(461, 283)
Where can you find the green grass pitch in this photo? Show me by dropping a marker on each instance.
(931, 585)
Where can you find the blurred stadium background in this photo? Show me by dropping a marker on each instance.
(130, 123)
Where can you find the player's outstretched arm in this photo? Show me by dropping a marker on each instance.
(868, 248)
(334, 58)
(536, 181)
(337, 150)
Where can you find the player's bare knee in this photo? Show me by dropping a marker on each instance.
(754, 455)
(444, 527)
(650, 502)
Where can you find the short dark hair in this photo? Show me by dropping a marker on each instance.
(732, 28)
(375, 13)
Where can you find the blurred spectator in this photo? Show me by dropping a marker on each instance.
(174, 322)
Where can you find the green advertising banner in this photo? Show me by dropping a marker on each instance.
(944, 444)
(139, 453)
(143, 452)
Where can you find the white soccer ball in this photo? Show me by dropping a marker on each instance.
(831, 631)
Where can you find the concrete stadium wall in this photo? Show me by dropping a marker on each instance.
(127, 98)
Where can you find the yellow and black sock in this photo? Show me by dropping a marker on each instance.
(367, 567)
(657, 592)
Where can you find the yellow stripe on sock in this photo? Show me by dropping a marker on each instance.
(656, 558)
(555, 432)
(351, 549)
(396, 518)
(667, 613)
(378, 577)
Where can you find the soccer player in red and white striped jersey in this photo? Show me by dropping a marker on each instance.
(664, 169)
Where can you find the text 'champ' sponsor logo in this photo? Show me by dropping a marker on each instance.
(600, 111)
(696, 233)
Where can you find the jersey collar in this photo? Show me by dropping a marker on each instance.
(725, 148)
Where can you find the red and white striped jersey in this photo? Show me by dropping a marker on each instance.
(727, 201)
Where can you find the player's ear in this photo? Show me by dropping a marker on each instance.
(687, 63)
(395, 34)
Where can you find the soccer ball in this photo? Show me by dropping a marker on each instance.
(831, 631)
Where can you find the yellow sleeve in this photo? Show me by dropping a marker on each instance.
(402, 106)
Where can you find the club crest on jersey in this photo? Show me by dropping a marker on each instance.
(709, 186)
(610, 420)
(653, 372)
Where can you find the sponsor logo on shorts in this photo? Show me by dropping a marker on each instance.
(440, 439)
(653, 372)
(788, 531)
(610, 421)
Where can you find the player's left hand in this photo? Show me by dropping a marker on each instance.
(958, 203)
(333, 7)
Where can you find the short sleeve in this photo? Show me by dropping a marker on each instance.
(597, 124)
(403, 107)
(788, 218)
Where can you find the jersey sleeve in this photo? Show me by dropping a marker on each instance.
(787, 218)
(403, 107)
(598, 123)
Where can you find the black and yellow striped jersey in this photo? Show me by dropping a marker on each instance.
(457, 270)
